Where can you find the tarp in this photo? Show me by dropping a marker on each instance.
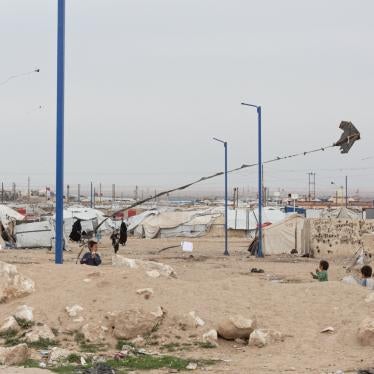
(8, 214)
(341, 212)
(34, 234)
(246, 219)
(283, 236)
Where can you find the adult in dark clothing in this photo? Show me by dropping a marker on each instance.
(91, 258)
(123, 233)
(76, 231)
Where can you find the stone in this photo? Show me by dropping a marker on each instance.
(163, 269)
(365, 333)
(16, 355)
(153, 274)
(25, 313)
(211, 337)
(13, 284)
(94, 333)
(196, 319)
(73, 310)
(158, 313)
(58, 354)
(191, 366)
(262, 337)
(146, 292)
(138, 342)
(9, 324)
(236, 327)
(134, 322)
(39, 332)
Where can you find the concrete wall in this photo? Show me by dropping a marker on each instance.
(339, 237)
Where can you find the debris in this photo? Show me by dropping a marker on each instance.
(25, 313)
(197, 320)
(329, 329)
(57, 354)
(73, 310)
(236, 327)
(16, 355)
(13, 284)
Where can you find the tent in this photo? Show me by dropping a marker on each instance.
(8, 214)
(284, 236)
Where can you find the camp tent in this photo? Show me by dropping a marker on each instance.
(284, 236)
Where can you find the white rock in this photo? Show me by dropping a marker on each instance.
(73, 310)
(197, 320)
(83, 361)
(153, 273)
(39, 332)
(9, 324)
(163, 269)
(191, 366)
(211, 335)
(13, 284)
(58, 354)
(16, 355)
(328, 329)
(94, 332)
(146, 292)
(158, 313)
(236, 327)
(24, 312)
(262, 337)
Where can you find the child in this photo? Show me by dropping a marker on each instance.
(91, 258)
(366, 280)
(321, 273)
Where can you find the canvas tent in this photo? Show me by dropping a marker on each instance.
(34, 234)
(284, 236)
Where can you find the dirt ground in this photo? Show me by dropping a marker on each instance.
(284, 298)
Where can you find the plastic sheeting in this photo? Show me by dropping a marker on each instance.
(34, 235)
(8, 214)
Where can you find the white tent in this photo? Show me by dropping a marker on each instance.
(8, 214)
(284, 236)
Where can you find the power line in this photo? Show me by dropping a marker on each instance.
(18, 76)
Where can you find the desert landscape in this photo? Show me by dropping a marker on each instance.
(206, 289)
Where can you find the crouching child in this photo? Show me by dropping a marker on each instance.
(321, 272)
(91, 258)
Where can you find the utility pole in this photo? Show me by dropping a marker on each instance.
(94, 197)
(79, 193)
(28, 188)
(100, 192)
(311, 185)
(14, 191)
(2, 192)
(346, 191)
(91, 204)
(67, 194)
(113, 192)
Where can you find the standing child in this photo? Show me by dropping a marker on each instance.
(366, 279)
(91, 258)
(321, 273)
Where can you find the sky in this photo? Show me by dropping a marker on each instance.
(150, 82)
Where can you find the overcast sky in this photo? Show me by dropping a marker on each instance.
(150, 82)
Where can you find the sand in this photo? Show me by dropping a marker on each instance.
(284, 298)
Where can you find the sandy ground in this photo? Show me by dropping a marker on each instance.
(214, 286)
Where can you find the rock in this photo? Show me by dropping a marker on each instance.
(25, 313)
(365, 333)
(328, 329)
(196, 319)
(163, 269)
(13, 284)
(236, 327)
(211, 337)
(94, 333)
(153, 273)
(16, 355)
(134, 322)
(58, 354)
(191, 366)
(9, 324)
(73, 310)
(146, 292)
(262, 337)
(39, 332)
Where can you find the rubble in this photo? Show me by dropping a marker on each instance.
(73, 310)
(58, 354)
(262, 337)
(24, 313)
(16, 355)
(9, 325)
(196, 319)
(39, 332)
(94, 333)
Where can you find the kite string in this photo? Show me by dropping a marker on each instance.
(18, 76)
(206, 178)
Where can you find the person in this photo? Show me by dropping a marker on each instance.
(91, 258)
(366, 280)
(76, 231)
(321, 273)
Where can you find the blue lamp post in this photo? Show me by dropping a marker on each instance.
(258, 108)
(60, 133)
(226, 253)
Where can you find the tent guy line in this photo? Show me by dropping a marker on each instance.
(345, 142)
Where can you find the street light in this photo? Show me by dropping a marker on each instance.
(258, 108)
(226, 253)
